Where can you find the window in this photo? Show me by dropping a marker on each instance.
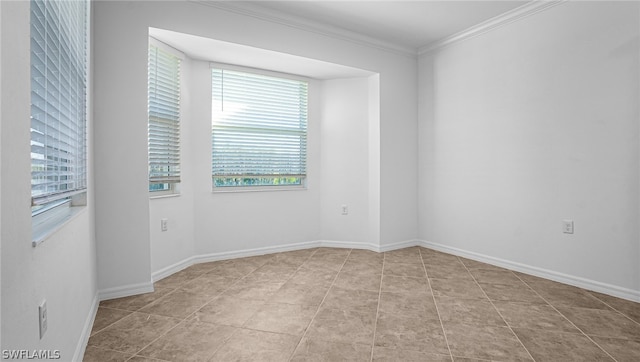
(164, 120)
(259, 130)
(58, 104)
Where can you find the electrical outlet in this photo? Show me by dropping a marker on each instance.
(345, 210)
(567, 226)
(43, 317)
(164, 224)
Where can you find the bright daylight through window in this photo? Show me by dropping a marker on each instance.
(259, 130)
(58, 105)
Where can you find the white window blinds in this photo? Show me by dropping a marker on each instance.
(164, 119)
(58, 100)
(259, 129)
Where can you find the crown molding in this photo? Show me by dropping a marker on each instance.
(508, 17)
(259, 12)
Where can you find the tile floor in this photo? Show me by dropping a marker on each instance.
(325, 304)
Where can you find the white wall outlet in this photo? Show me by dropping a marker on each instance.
(567, 226)
(164, 224)
(345, 210)
(43, 318)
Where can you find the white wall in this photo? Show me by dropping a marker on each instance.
(62, 269)
(530, 124)
(345, 160)
(225, 222)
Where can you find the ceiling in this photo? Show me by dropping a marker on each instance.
(409, 25)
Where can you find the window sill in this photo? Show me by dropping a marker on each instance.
(52, 223)
(164, 196)
(243, 189)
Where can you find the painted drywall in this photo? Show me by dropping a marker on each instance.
(344, 139)
(530, 124)
(62, 269)
(227, 222)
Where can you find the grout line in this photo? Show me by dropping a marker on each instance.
(319, 305)
(496, 309)
(565, 317)
(433, 296)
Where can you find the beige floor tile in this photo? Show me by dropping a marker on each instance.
(191, 340)
(623, 350)
(468, 311)
(343, 307)
(207, 266)
(273, 272)
(451, 270)
(145, 359)
(457, 288)
(210, 285)
(282, 318)
(136, 302)
(511, 293)
(603, 323)
(106, 317)
(253, 290)
(437, 258)
(409, 305)
(555, 346)
(358, 300)
(404, 270)
(320, 264)
(93, 354)
(476, 265)
(363, 267)
(485, 342)
(358, 280)
(250, 345)
(410, 285)
(179, 304)
(305, 294)
(406, 256)
(132, 333)
(490, 276)
(627, 307)
(381, 354)
(366, 255)
(323, 351)
(534, 316)
(233, 270)
(322, 277)
(228, 311)
(569, 296)
(335, 325)
(410, 333)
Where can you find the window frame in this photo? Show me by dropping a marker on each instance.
(261, 188)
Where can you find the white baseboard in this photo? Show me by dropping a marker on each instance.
(609, 289)
(125, 291)
(86, 330)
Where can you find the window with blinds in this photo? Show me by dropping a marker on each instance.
(259, 130)
(164, 119)
(58, 102)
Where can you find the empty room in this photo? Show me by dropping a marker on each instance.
(199, 180)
